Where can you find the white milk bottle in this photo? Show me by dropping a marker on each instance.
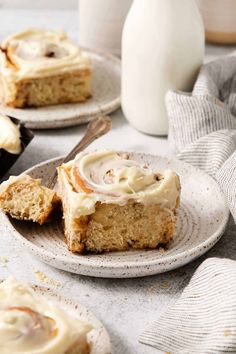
(162, 48)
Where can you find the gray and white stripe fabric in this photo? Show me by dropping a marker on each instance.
(203, 320)
(202, 125)
(202, 132)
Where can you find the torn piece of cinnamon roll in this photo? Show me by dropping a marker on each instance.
(25, 198)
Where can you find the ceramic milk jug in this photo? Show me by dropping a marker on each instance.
(162, 48)
(101, 23)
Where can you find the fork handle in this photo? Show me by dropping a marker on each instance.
(96, 128)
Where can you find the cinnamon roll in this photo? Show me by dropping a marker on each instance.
(113, 203)
(14, 138)
(29, 324)
(24, 198)
(41, 68)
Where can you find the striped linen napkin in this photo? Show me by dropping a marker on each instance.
(203, 320)
(202, 125)
(202, 132)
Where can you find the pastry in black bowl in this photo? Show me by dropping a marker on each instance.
(14, 138)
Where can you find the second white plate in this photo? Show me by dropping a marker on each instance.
(202, 220)
(105, 99)
(98, 337)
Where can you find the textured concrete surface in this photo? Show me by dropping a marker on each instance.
(124, 306)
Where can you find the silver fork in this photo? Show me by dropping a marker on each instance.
(96, 128)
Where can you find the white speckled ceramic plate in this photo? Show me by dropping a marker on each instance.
(202, 220)
(98, 338)
(105, 99)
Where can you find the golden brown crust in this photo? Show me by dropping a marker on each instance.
(70, 87)
(49, 209)
(80, 347)
(26, 199)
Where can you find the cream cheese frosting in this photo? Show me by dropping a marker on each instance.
(31, 325)
(35, 52)
(10, 136)
(110, 177)
(14, 179)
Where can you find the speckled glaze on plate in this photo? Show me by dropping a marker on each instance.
(98, 338)
(105, 99)
(202, 220)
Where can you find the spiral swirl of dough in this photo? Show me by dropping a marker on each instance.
(109, 173)
(110, 177)
(35, 52)
(28, 328)
(31, 325)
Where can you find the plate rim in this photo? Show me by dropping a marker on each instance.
(75, 118)
(187, 254)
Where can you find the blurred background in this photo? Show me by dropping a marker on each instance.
(51, 4)
(16, 15)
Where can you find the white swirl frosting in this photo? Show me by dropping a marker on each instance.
(109, 177)
(9, 136)
(35, 52)
(31, 325)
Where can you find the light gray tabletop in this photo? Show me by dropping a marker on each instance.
(124, 306)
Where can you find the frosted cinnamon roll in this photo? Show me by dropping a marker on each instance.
(41, 67)
(29, 324)
(112, 202)
(14, 138)
(10, 136)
